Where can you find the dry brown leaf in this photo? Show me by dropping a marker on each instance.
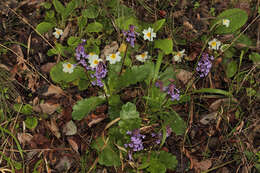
(202, 165)
(24, 138)
(54, 128)
(208, 117)
(52, 89)
(32, 81)
(46, 68)
(96, 119)
(223, 170)
(66, 32)
(70, 128)
(64, 164)
(108, 49)
(48, 108)
(73, 144)
(216, 104)
(184, 76)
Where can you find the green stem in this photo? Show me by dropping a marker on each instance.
(157, 66)
(123, 60)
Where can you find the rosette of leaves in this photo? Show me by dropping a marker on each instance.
(237, 18)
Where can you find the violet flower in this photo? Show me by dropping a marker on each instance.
(204, 65)
(81, 55)
(173, 92)
(99, 74)
(130, 35)
(136, 143)
(159, 135)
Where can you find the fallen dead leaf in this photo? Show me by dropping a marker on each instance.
(32, 81)
(47, 108)
(216, 104)
(46, 68)
(223, 170)
(73, 144)
(65, 32)
(108, 49)
(24, 138)
(202, 165)
(54, 128)
(184, 76)
(64, 164)
(53, 90)
(208, 117)
(70, 128)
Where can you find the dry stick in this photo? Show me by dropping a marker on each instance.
(25, 62)
(219, 166)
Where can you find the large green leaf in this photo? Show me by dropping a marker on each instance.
(72, 5)
(58, 6)
(83, 107)
(58, 76)
(176, 123)
(231, 69)
(168, 160)
(91, 12)
(237, 18)
(44, 27)
(164, 44)
(94, 27)
(129, 77)
(158, 24)
(109, 157)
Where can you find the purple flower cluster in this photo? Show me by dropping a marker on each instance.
(159, 135)
(204, 65)
(130, 35)
(136, 143)
(81, 56)
(99, 74)
(170, 89)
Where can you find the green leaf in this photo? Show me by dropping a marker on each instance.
(47, 5)
(91, 12)
(255, 57)
(44, 27)
(156, 167)
(164, 44)
(109, 157)
(231, 69)
(31, 122)
(176, 123)
(115, 105)
(58, 6)
(83, 107)
(124, 22)
(73, 41)
(83, 84)
(129, 118)
(250, 92)
(72, 5)
(24, 109)
(168, 160)
(237, 19)
(155, 99)
(82, 22)
(129, 77)
(158, 24)
(212, 91)
(94, 27)
(58, 76)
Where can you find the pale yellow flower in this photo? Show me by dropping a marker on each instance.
(58, 33)
(68, 67)
(149, 34)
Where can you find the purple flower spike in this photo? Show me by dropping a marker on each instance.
(130, 35)
(136, 143)
(100, 73)
(204, 65)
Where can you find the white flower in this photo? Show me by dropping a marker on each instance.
(142, 57)
(57, 33)
(149, 34)
(214, 44)
(226, 22)
(94, 60)
(113, 58)
(179, 55)
(68, 67)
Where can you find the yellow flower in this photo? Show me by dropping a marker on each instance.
(113, 58)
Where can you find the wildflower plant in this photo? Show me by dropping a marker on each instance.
(81, 65)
